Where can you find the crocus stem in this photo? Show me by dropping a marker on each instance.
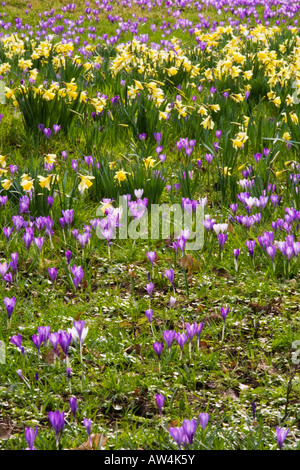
(223, 331)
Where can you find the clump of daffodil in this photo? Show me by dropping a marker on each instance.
(85, 182)
(120, 175)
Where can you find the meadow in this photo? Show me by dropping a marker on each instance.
(119, 330)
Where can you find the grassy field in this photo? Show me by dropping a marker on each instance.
(80, 126)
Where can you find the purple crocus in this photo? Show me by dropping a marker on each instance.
(169, 336)
(9, 305)
(7, 232)
(250, 244)
(169, 273)
(158, 347)
(47, 131)
(281, 435)
(68, 256)
(149, 314)
(203, 420)
(37, 341)
(17, 341)
(52, 273)
(177, 434)
(68, 216)
(30, 437)
(73, 406)
(222, 237)
(189, 428)
(44, 332)
(57, 420)
(181, 340)
(160, 400)
(224, 312)
(88, 424)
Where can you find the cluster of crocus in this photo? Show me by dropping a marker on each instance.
(184, 435)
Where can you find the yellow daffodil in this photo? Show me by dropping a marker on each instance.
(286, 136)
(6, 184)
(27, 184)
(149, 162)
(120, 175)
(3, 161)
(279, 173)
(45, 181)
(112, 165)
(85, 182)
(50, 158)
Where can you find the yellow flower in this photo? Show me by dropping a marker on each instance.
(48, 95)
(286, 136)
(294, 118)
(226, 171)
(27, 184)
(279, 173)
(6, 184)
(112, 165)
(149, 162)
(121, 175)
(277, 101)
(45, 181)
(50, 158)
(85, 182)
(3, 161)
(208, 123)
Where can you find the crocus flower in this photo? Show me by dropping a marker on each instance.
(68, 256)
(7, 232)
(177, 434)
(37, 341)
(203, 420)
(57, 419)
(169, 273)
(9, 305)
(149, 314)
(189, 428)
(17, 341)
(181, 340)
(73, 406)
(149, 288)
(224, 312)
(87, 424)
(160, 400)
(52, 273)
(169, 336)
(30, 437)
(158, 347)
(44, 332)
(281, 435)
